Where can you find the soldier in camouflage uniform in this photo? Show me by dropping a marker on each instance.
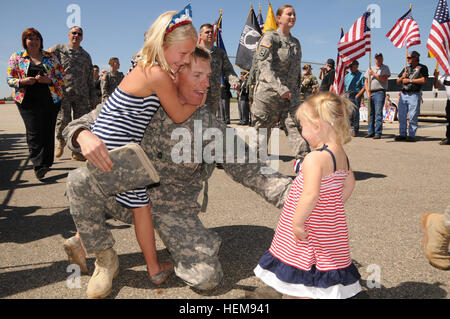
(276, 92)
(175, 209)
(111, 79)
(220, 66)
(79, 92)
(309, 84)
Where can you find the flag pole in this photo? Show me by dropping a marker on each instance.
(406, 58)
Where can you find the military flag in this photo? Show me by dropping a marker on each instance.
(438, 41)
(357, 41)
(248, 42)
(218, 32)
(405, 31)
(271, 22)
(260, 18)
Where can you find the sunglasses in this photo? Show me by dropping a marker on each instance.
(77, 33)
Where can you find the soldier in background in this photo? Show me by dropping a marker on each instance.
(278, 73)
(175, 209)
(309, 84)
(220, 66)
(97, 85)
(111, 79)
(79, 92)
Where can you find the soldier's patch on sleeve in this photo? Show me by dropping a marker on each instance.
(266, 43)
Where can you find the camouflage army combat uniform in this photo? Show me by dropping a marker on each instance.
(174, 205)
(278, 59)
(79, 89)
(220, 65)
(110, 82)
(308, 86)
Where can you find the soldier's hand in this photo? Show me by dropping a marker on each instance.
(94, 150)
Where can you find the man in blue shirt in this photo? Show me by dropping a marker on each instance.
(354, 88)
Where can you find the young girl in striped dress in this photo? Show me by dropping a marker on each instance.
(128, 111)
(309, 256)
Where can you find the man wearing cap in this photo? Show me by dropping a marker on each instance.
(413, 77)
(309, 84)
(327, 76)
(354, 88)
(376, 92)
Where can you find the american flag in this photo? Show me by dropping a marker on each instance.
(352, 46)
(438, 42)
(406, 30)
(356, 42)
(338, 85)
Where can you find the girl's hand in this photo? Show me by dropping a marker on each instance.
(43, 79)
(300, 232)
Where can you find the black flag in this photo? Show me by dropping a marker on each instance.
(248, 42)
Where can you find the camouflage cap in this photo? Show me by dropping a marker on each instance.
(307, 66)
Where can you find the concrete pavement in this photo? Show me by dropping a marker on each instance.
(397, 182)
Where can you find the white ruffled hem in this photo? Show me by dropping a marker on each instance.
(299, 290)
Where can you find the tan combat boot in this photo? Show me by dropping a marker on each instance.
(106, 268)
(60, 148)
(75, 253)
(435, 241)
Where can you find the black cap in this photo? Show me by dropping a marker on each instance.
(415, 54)
(378, 54)
(330, 62)
(355, 62)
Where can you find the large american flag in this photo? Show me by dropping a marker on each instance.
(352, 46)
(438, 42)
(406, 30)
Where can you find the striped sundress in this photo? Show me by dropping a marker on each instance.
(122, 120)
(321, 266)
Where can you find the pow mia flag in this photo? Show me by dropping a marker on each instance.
(248, 42)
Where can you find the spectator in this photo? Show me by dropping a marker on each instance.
(354, 87)
(79, 93)
(327, 76)
(97, 85)
(220, 67)
(438, 82)
(309, 84)
(244, 101)
(111, 78)
(38, 79)
(225, 101)
(376, 92)
(412, 79)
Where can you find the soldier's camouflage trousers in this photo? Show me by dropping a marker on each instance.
(266, 115)
(79, 105)
(194, 248)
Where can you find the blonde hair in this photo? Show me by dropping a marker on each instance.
(331, 108)
(153, 50)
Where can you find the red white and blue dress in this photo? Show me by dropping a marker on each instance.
(321, 266)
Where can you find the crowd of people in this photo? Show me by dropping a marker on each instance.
(175, 82)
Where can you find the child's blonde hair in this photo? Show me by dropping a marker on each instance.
(156, 38)
(332, 109)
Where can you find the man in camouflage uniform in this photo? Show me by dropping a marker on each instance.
(276, 92)
(220, 66)
(309, 84)
(79, 91)
(174, 205)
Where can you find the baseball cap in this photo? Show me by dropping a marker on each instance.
(307, 66)
(378, 54)
(415, 54)
(330, 62)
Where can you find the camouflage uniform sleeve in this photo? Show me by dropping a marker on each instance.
(104, 86)
(83, 123)
(90, 82)
(264, 58)
(273, 187)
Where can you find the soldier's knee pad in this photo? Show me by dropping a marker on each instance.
(202, 275)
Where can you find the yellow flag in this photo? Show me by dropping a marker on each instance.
(271, 23)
